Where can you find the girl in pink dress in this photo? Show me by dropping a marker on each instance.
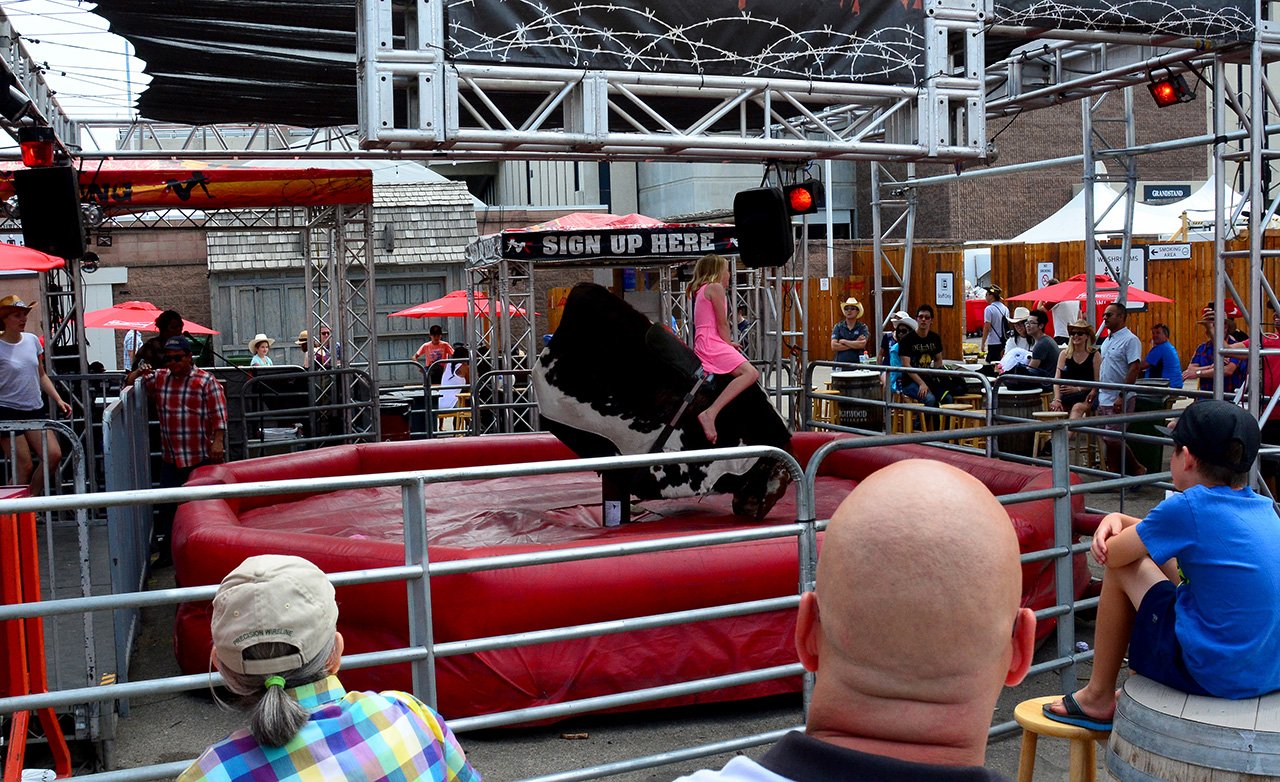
(719, 355)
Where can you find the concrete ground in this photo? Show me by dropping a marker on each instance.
(177, 727)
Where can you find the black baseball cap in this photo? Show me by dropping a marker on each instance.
(1207, 428)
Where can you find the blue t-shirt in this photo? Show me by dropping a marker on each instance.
(1164, 362)
(842, 331)
(1228, 607)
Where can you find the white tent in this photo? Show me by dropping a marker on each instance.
(1067, 224)
(1199, 205)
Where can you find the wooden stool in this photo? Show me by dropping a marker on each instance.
(1030, 715)
(1044, 438)
(1163, 733)
(904, 421)
(972, 400)
(954, 421)
(1045, 400)
(824, 409)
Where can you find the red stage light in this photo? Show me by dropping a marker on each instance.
(1170, 91)
(37, 146)
(801, 200)
(804, 198)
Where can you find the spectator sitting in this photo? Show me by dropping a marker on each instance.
(1018, 337)
(1192, 590)
(1080, 361)
(456, 378)
(276, 644)
(903, 326)
(908, 673)
(1234, 370)
(1231, 311)
(1162, 360)
(921, 349)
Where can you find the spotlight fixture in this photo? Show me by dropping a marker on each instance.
(1170, 90)
(804, 198)
(37, 146)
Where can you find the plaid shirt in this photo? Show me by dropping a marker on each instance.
(353, 737)
(191, 409)
(1204, 358)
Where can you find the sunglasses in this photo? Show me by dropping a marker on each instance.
(1078, 333)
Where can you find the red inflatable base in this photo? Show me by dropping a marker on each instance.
(361, 529)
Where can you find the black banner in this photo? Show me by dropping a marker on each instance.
(1225, 20)
(877, 40)
(624, 245)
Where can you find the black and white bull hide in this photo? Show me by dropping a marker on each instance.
(606, 386)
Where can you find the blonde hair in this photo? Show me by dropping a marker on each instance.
(707, 270)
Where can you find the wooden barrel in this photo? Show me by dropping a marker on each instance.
(862, 384)
(1161, 733)
(1020, 404)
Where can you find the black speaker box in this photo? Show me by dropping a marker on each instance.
(49, 206)
(764, 227)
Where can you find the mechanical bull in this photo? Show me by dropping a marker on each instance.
(610, 382)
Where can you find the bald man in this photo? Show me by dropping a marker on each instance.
(913, 629)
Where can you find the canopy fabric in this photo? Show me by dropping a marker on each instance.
(452, 305)
(14, 258)
(1067, 224)
(1199, 206)
(1106, 291)
(595, 239)
(139, 315)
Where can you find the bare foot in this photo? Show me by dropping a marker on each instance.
(708, 425)
(1102, 711)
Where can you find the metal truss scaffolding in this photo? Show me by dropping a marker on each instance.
(1093, 122)
(413, 97)
(507, 342)
(893, 225)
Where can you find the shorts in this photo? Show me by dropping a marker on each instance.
(1130, 404)
(14, 414)
(1076, 397)
(1154, 650)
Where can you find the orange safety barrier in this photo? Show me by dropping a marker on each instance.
(22, 663)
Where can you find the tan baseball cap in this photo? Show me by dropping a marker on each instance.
(273, 599)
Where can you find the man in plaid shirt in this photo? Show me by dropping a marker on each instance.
(193, 423)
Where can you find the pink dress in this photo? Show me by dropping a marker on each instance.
(718, 357)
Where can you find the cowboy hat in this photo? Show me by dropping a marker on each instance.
(259, 338)
(13, 303)
(1020, 314)
(303, 340)
(852, 302)
(1082, 325)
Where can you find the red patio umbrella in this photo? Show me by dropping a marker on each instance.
(140, 315)
(14, 258)
(1106, 291)
(451, 305)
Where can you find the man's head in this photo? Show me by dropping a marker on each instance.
(994, 294)
(1036, 321)
(170, 324)
(436, 333)
(742, 311)
(1159, 334)
(1222, 441)
(852, 308)
(909, 655)
(924, 317)
(1115, 316)
(324, 334)
(177, 356)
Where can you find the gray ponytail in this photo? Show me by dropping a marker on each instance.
(274, 717)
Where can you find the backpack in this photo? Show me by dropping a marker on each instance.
(1005, 326)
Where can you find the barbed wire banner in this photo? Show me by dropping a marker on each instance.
(881, 41)
(1224, 20)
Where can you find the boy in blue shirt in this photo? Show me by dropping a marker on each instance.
(1193, 590)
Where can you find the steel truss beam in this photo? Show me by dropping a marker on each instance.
(507, 340)
(414, 98)
(44, 109)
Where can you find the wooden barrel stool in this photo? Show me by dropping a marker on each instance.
(1084, 760)
(1161, 733)
(1044, 438)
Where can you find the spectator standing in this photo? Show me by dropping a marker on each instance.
(22, 379)
(132, 344)
(921, 349)
(1268, 465)
(1201, 366)
(169, 323)
(1121, 360)
(1162, 360)
(906, 674)
(260, 348)
(436, 349)
(193, 425)
(850, 336)
(1064, 313)
(744, 328)
(995, 324)
(276, 644)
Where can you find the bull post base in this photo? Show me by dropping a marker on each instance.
(615, 495)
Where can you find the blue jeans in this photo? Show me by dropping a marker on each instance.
(912, 391)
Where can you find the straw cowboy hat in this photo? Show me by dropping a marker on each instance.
(1020, 314)
(303, 340)
(1083, 325)
(10, 303)
(852, 302)
(258, 339)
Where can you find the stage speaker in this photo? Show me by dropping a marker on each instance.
(764, 227)
(49, 208)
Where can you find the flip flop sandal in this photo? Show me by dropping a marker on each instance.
(1076, 716)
